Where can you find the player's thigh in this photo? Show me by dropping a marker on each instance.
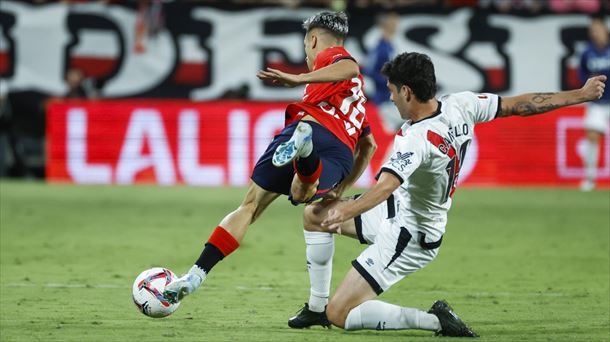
(368, 224)
(396, 253)
(353, 291)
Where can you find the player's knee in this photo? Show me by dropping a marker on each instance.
(311, 221)
(302, 192)
(302, 195)
(336, 314)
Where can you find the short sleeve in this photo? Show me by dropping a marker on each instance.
(331, 55)
(482, 107)
(408, 154)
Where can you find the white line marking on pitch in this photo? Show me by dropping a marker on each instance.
(110, 286)
(266, 288)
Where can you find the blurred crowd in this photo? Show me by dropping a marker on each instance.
(22, 114)
(533, 6)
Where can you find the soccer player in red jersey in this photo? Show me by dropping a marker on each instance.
(323, 149)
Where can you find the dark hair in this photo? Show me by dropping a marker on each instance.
(334, 22)
(597, 16)
(414, 70)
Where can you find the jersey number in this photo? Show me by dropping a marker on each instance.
(453, 170)
(356, 116)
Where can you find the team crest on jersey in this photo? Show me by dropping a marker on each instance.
(401, 160)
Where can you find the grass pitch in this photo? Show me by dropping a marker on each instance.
(517, 265)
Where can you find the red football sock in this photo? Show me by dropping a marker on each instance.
(223, 240)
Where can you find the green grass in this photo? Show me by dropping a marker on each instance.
(516, 264)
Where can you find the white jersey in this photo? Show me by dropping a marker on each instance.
(427, 156)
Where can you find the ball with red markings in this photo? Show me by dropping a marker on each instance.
(148, 290)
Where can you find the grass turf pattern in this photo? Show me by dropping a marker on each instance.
(516, 264)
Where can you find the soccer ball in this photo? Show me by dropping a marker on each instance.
(148, 290)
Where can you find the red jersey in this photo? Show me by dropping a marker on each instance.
(338, 106)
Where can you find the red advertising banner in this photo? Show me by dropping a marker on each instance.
(217, 143)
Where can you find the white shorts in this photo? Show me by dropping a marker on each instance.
(394, 251)
(597, 117)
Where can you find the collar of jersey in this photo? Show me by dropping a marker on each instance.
(435, 114)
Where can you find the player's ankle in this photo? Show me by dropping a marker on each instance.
(317, 303)
(197, 272)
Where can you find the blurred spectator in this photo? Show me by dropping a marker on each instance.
(240, 93)
(79, 86)
(595, 60)
(394, 4)
(506, 6)
(562, 6)
(22, 125)
(377, 57)
(149, 22)
(75, 79)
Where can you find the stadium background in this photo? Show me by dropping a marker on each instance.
(171, 97)
(201, 58)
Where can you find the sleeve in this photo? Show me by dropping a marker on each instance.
(408, 154)
(329, 56)
(482, 107)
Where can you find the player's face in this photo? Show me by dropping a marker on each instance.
(599, 33)
(398, 96)
(308, 42)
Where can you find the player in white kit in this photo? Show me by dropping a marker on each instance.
(403, 217)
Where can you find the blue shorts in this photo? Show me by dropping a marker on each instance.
(337, 160)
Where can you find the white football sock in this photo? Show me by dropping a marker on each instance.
(591, 158)
(375, 314)
(319, 251)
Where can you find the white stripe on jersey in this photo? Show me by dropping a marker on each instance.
(427, 156)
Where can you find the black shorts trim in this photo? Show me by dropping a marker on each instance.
(369, 278)
(358, 223)
(391, 206)
(429, 245)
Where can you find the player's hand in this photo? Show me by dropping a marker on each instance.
(334, 218)
(594, 87)
(280, 77)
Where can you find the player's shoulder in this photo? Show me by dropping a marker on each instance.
(333, 54)
(459, 96)
(413, 133)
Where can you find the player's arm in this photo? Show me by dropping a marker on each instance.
(344, 69)
(538, 103)
(388, 182)
(365, 148)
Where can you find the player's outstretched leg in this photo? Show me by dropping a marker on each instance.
(220, 244)
(299, 146)
(451, 324)
(223, 241)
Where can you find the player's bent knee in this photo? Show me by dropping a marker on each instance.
(311, 222)
(336, 314)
